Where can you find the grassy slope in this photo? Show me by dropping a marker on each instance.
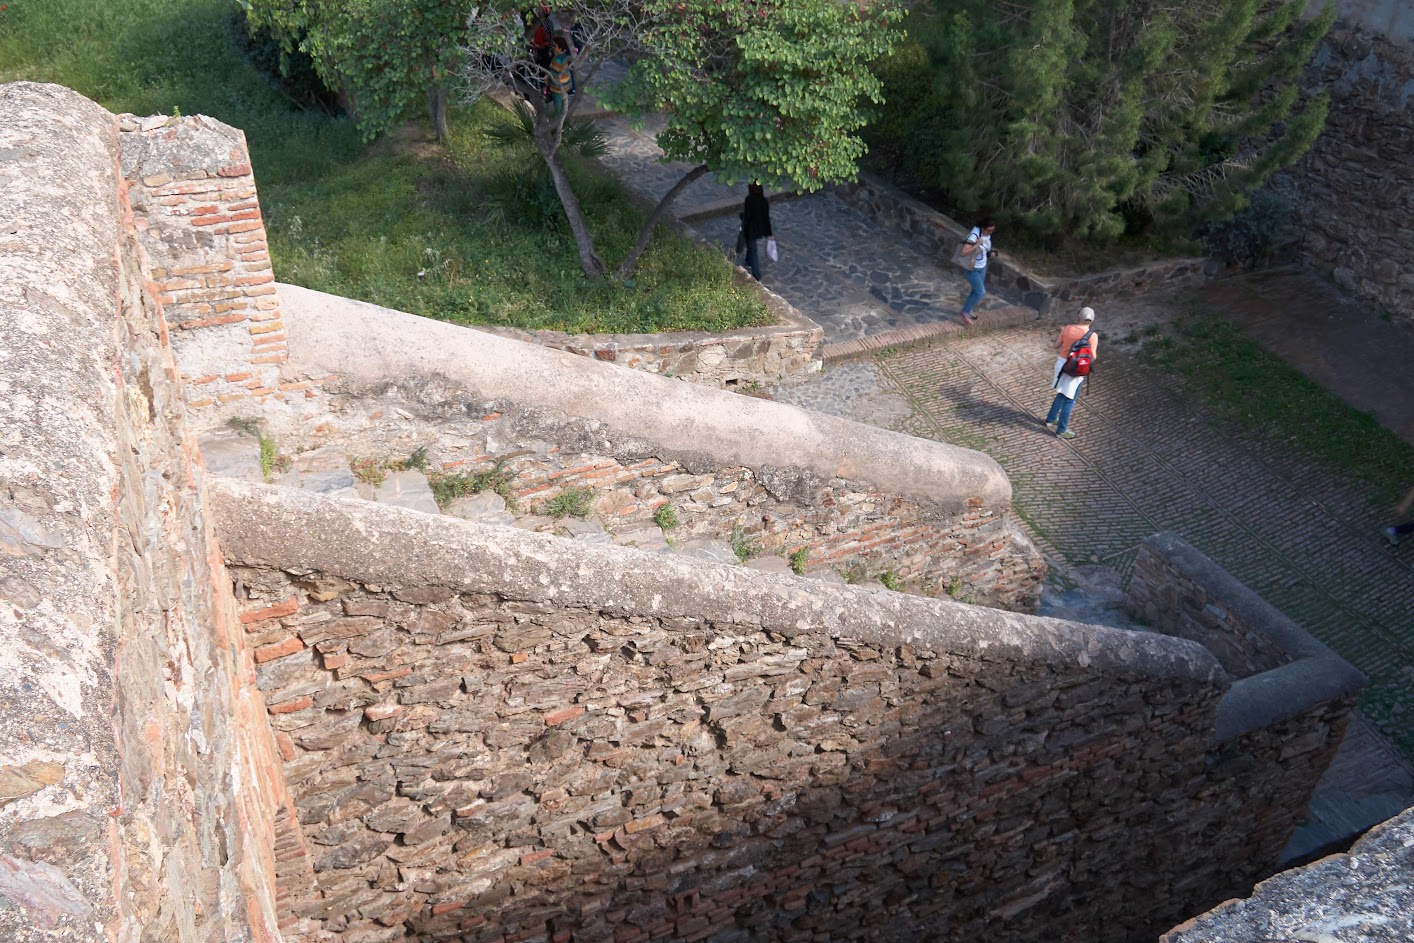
(445, 235)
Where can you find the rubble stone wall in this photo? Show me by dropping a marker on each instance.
(494, 734)
(784, 479)
(786, 352)
(141, 795)
(1355, 188)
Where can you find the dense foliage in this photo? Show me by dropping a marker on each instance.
(1094, 118)
(383, 56)
(439, 231)
(769, 90)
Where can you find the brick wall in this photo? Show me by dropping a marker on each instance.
(194, 202)
(495, 735)
(149, 788)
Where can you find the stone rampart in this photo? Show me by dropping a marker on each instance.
(494, 734)
(940, 235)
(785, 479)
(1365, 895)
(141, 797)
(1355, 188)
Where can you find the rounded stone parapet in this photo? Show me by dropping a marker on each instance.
(364, 344)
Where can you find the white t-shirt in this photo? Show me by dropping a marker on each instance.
(979, 260)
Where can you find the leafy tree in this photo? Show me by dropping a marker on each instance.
(381, 55)
(497, 57)
(769, 90)
(1093, 117)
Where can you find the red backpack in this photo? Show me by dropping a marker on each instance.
(1078, 361)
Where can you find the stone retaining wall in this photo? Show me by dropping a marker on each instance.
(1365, 895)
(141, 795)
(1354, 190)
(940, 235)
(499, 735)
(783, 353)
(850, 496)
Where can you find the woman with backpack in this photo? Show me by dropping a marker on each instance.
(978, 248)
(1076, 349)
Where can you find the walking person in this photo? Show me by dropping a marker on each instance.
(978, 248)
(558, 85)
(755, 226)
(1401, 510)
(1077, 339)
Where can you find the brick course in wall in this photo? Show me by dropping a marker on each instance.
(193, 195)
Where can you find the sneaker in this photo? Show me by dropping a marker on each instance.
(1049, 424)
(969, 318)
(1392, 536)
(1067, 434)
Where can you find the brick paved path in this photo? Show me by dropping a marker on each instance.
(1147, 460)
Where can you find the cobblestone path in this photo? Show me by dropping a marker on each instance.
(1147, 460)
(854, 279)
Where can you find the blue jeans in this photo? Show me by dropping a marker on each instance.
(976, 278)
(753, 260)
(1060, 412)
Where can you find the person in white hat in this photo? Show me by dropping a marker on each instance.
(1073, 337)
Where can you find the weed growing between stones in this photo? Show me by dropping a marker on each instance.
(572, 502)
(371, 471)
(744, 547)
(666, 517)
(798, 559)
(954, 587)
(447, 488)
(891, 580)
(271, 460)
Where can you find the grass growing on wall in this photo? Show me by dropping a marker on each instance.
(459, 233)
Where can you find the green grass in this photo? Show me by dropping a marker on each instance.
(572, 502)
(460, 234)
(1258, 392)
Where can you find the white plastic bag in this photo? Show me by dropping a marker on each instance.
(772, 252)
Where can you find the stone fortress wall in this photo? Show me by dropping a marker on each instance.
(491, 734)
(1354, 190)
(785, 479)
(141, 795)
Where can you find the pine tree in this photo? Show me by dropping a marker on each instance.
(1097, 117)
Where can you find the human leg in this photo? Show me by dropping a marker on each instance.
(1060, 412)
(753, 261)
(977, 278)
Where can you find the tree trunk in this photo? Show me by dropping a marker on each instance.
(437, 110)
(546, 142)
(630, 262)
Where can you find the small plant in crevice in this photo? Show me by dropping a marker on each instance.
(666, 517)
(572, 502)
(418, 460)
(371, 471)
(954, 587)
(744, 547)
(855, 574)
(891, 580)
(271, 460)
(447, 488)
(798, 560)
